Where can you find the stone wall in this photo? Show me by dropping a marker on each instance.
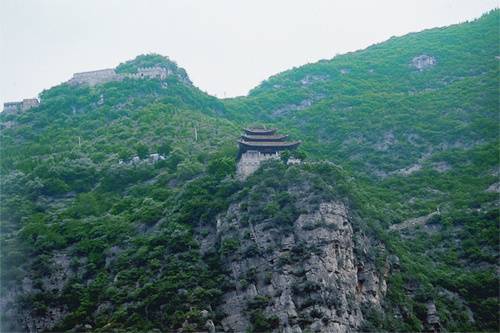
(30, 103)
(94, 77)
(151, 72)
(13, 107)
(250, 162)
(106, 75)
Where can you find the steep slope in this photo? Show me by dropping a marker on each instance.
(72, 198)
(300, 264)
(423, 105)
(415, 121)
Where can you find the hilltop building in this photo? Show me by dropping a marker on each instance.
(259, 144)
(106, 75)
(13, 107)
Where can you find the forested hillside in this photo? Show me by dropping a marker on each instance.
(379, 115)
(121, 211)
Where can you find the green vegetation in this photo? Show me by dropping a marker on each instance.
(416, 142)
(385, 118)
(121, 225)
(117, 239)
(260, 322)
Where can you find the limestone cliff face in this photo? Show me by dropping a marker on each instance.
(310, 275)
(39, 318)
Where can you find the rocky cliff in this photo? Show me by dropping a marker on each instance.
(309, 278)
(313, 274)
(22, 303)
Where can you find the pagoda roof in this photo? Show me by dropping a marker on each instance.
(259, 130)
(269, 144)
(272, 138)
(257, 127)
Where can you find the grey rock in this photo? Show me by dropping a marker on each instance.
(210, 326)
(334, 268)
(423, 61)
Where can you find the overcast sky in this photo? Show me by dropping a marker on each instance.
(226, 47)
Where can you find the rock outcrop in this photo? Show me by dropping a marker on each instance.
(39, 318)
(432, 317)
(422, 62)
(310, 275)
(413, 221)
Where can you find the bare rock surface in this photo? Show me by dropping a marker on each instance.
(413, 221)
(422, 62)
(26, 320)
(330, 282)
(304, 104)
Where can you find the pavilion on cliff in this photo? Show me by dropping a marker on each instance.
(262, 142)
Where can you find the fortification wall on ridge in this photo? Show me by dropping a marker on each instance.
(13, 107)
(29, 103)
(94, 77)
(95, 74)
(153, 72)
(106, 75)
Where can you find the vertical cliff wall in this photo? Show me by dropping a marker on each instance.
(308, 272)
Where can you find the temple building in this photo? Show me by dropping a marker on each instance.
(258, 144)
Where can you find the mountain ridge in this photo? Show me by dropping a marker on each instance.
(89, 243)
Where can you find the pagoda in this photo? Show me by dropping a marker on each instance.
(262, 141)
(258, 144)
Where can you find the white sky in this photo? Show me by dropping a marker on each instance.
(226, 47)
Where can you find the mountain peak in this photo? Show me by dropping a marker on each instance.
(153, 60)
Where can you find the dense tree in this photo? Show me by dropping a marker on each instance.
(407, 143)
(142, 150)
(299, 154)
(285, 156)
(221, 167)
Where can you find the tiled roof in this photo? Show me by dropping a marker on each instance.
(259, 130)
(245, 137)
(268, 144)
